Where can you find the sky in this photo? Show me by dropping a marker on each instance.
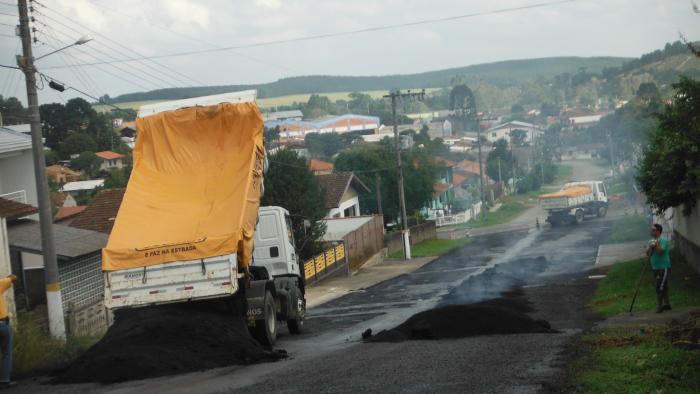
(136, 28)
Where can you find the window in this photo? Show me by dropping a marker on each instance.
(274, 251)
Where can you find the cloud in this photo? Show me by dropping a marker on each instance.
(274, 4)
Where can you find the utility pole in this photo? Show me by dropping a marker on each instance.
(395, 95)
(377, 183)
(54, 303)
(478, 118)
(499, 170)
(612, 157)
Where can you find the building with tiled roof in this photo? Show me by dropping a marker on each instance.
(295, 128)
(100, 215)
(65, 215)
(341, 192)
(110, 160)
(10, 210)
(320, 167)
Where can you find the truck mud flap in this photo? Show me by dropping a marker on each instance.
(255, 297)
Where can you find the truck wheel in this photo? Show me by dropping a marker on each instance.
(578, 216)
(295, 325)
(265, 330)
(554, 222)
(602, 211)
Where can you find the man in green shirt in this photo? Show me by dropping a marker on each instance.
(658, 253)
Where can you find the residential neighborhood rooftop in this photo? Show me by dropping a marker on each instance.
(319, 165)
(109, 155)
(100, 215)
(336, 184)
(12, 141)
(68, 212)
(70, 242)
(10, 209)
(82, 185)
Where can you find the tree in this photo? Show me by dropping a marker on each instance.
(462, 98)
(324, 145)
(118, 178)
(289, 183)
(549, 109)
(271, 135)
(317, 106)
(12, 111)
(516, 109)
(54, 124)
(51, 157)
(76, 143)
(518, 137)
(87, 162)
(648, 92)
(669, 171)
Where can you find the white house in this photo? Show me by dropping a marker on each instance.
(17, 181)
(342, 194)
(110, 160)
(504, 130)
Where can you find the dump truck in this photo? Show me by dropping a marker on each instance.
(190, 226)
(575, 201)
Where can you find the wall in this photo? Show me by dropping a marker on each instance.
(419, 233)
(687, 235)
(364, 242)
(17, 173)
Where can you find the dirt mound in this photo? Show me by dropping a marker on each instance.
(164, 340)
(505, 315)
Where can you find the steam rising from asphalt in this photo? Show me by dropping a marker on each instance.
(512, 268)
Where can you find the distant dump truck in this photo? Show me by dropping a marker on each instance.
(575, 201)
(190, 226)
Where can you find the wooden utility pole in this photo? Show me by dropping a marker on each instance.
(377, 186)
(396, 95)
(478, 118)
(54, 303)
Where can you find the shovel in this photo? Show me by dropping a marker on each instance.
(639, 283)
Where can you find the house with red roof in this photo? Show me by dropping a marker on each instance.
(110, 160)
(320, 167)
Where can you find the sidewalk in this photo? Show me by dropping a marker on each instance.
(646, 318)
(609, 254)
(368, 275)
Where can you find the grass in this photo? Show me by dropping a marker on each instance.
(35, 352)
(564, 172)
(627, 360)
(618, 188)
(614, 293)
(433, 247)
(638, 359)
(629, 228)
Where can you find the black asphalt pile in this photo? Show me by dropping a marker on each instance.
(165, 340)
(506, 315)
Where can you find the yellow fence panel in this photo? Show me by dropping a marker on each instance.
(340, 252)
(330, 257)
(320, 264)
(309, 269)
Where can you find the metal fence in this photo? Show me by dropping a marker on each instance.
(324, 264)
(459, 218)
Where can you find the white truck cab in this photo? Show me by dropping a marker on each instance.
(274, 243)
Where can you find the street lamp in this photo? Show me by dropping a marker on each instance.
(82, 40)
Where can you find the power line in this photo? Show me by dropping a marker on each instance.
(171, 70)
(339, 34)
(154, 77)
(4, 66)
(52, 79)
(194, 39)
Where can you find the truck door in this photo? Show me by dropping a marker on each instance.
(269, 243)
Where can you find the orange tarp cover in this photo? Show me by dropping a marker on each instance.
(194, 191)
(573, 191)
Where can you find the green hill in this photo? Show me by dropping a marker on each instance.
(504, 73)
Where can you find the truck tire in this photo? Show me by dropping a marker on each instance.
(578, 216)
(554, 222)
(602, 211)
(265, 330)
(295, 325)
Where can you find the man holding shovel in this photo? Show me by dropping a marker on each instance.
(658, 253)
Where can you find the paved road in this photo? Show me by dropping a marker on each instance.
(550, 264)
